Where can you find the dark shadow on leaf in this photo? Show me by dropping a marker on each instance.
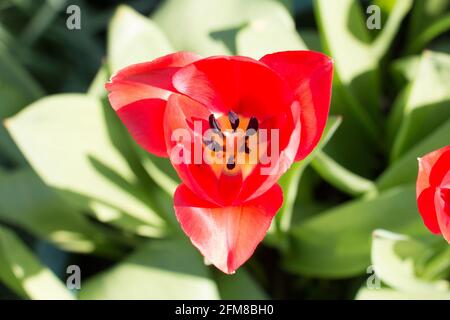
(228, 37)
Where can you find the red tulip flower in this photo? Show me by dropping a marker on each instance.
(218, 119)
(433, 191)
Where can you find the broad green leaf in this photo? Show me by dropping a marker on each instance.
(340, 177)
(396, 115)
(251, 40)
(239, 286)
(214, 27)
(406, 67)
(161, 172)
(345, 37)
(290, 180)
(97, 86)
(21, 271)
(394, 257)
(336, 243)
(17, 87)
(429, 19)
(428, 103)
(133, 38)
(25, 202)
(398, 9)
(404, 170)
(66, 139)
(166, 269)
(311, 38)
(41, 20)
(9, 153)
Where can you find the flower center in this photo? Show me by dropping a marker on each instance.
(232, 144)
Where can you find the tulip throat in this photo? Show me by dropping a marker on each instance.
(232, 144)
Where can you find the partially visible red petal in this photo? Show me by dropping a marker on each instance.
(426, 206)
(432, 171)
(143, 119)
(180, 113)
(239, 84)
(226, 236)
(309, 74)
(147, 80)
(264, 177)
(442, 202)
(139, 92)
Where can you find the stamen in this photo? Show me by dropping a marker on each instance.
(244, 147)
(252, 126)
(213, 145)
(230, 163)
(213, 124)
(234, 120)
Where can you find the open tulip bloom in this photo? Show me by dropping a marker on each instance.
(231, 126)
(433, 191)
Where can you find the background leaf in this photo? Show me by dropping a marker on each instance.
(336, 243)
(23, 273)
(66, 140)
(158, 270)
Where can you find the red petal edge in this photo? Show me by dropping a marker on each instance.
(310, 75)
(139, 94)
(442, 197)
(226, 236)
(432, 169)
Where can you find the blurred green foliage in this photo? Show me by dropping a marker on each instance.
(76, 190)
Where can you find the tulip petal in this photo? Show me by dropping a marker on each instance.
(226, 236)
(427, 209)
(309, 75)
(265, 176)
(180, 113)
(139, 93)
(432, 168)
(143, 120)
(238, 84)
(442, 202)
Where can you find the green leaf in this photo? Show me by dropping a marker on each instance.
(394, 257)
(340, 177)
(224, 27)
(25, 202)
(406, 67)
(428, 103)
(404, 170)
(166, 269)
(290, 180)
(396, 115)
(345, 37)
(22, 272)
(133, 38)
(17, 87)
(41, 20)
(66, 139)
(336, 243)
(398, 9)
(239, 286)
(97, 86)
(429, 19)
(251, 40)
